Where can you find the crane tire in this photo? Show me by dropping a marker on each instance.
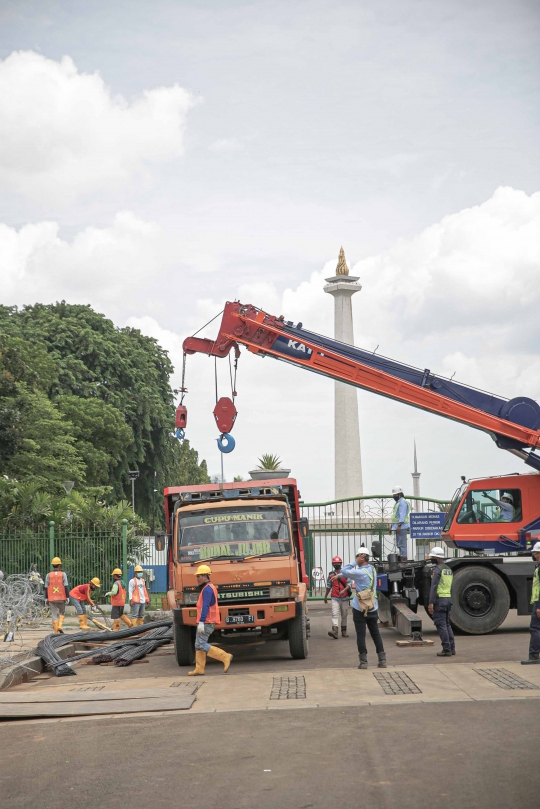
(480, 600)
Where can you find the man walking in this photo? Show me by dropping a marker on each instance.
(400, 521)
(138, 596)
(118, 600)
(365, 607)
(440, 601)
(341, 592)
(534, 629)
(207, 618)
(57, 588)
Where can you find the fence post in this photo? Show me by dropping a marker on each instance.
(51, 543)
(124, 549)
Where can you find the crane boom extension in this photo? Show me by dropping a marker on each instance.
(513, 424)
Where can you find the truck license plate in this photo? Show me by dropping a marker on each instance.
(240, 619)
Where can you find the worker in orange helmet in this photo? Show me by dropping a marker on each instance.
(118, 600)
(56, 589)
(207, 618)
(79, 596)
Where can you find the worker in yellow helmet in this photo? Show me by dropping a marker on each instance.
(57, 589)
(207, 618)
(138, 596)
(118, 600)
(79, 596)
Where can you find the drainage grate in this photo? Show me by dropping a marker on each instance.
(89, 688)
(396, 682)
(505, 679)
(288, 688)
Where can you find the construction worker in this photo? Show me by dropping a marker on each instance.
(440, 601)
(400, 522)
(365, 608)
(506, 512)
(207, 618)
(56, 589)
(138, 596)
(118, 600)
(534, 629)
(341, 592)
(79, 596)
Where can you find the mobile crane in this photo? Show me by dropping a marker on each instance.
(485, 586)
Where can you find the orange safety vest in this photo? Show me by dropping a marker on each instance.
(136, 597)
(56, 590)
(81, 592)
(213, 616)
(119, 599)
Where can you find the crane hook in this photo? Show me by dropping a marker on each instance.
(229, 444)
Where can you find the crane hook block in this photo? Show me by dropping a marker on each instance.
(180, 421)
(229, 444)
(180, 433)
(225, 415)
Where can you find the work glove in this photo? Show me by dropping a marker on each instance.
(200, 627)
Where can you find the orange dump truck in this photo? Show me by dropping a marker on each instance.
(252, 536)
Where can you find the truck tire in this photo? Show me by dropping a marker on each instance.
(184, 648)
(480, 600)
(298, 639)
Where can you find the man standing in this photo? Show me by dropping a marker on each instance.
(138, 596)
(440, 601)
(365, 607)
(341, 593)
(57, 588)
(79, 596)
(534, 645)
(118, 600)
(207, 618)
(400, 521)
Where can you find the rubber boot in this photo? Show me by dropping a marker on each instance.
(126, 620)
(140, 621)
(83, 623)
(344, 633)
(334, 633)
(534, 657)
(200, 663)
(60, 624)
(444, 653)
(363, 661)
(116, 624)
(219, 654)
(382, 660)
(55, 627)
(453, 651)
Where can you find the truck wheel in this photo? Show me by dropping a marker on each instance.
(184, 647)
(480, 600)
(298, 642)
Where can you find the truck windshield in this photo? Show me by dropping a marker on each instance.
(454, 506)
(225, 533)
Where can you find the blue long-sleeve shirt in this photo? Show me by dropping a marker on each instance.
(209, 599)
(402, 514)
(364, 578)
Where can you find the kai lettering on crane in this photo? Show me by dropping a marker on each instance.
(298, 346)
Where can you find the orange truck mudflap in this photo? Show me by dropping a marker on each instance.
(259, 614)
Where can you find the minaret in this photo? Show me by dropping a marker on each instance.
(348, 462)
(416, 480)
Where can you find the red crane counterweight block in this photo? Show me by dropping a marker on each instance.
(225, 414)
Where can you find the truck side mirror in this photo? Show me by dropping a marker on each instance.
(159, 540)
(376, 548)
(303, 527)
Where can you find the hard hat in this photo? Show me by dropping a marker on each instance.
(337, 560)
(137, 569)
(95, 581)
(508, 497)
(397, 490)
(56, 561)
(438, 552)
(116, 572)
(363, 550)
(536, 548)
(203, 570)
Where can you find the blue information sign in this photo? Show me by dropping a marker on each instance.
(426, 525)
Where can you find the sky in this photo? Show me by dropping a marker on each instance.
(158, 159)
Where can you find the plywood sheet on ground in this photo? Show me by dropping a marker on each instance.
(23, 710)
(44, 695)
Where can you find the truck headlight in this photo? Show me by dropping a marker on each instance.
(191, 598)
(280, 592)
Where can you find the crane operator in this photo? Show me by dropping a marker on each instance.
(506, 511)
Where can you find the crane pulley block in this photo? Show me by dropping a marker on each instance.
(225, 414)
(180, 420)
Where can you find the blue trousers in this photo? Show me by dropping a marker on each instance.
(201, 638)
(534, 629)
(441, 619)
(401, 541)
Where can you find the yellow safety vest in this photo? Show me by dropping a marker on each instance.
(444, 587)
(535, 595)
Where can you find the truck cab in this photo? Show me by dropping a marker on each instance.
(252, 537)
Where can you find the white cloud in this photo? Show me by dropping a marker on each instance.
(226, 145)
(64, 134)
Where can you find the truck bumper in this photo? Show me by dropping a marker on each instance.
(264, 614)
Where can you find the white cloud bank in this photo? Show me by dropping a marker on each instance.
(64, 134)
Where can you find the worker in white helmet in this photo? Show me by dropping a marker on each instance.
(400, 521)
(440, 601)
(506, 512)
(534, 629)
(365, 607)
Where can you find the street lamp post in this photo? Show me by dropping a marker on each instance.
(133, 475)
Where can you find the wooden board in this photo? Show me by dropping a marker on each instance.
(415, 642)
(46, 696)
(182, 702)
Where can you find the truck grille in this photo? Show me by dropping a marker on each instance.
(236, 596)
